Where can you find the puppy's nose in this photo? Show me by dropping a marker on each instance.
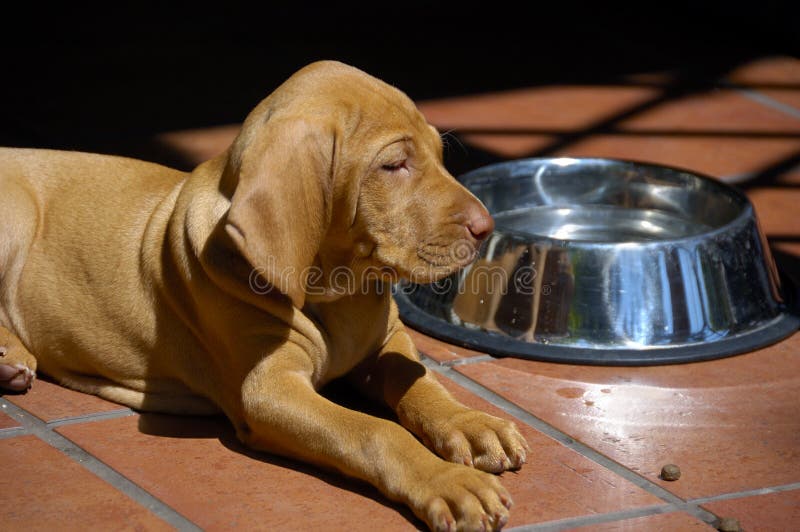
(480, 223)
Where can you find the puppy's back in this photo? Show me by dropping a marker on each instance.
(50, 170)
(71, 235)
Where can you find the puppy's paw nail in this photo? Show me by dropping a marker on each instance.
(500, 520)
(446, 526)
(519, 460)
(3, 351)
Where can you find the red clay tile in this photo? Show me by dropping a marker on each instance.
(510, 146)
(776, 77)
(563, 109)
(788, 247)
(186, 462)
(767, 71)
(781, 179)
(662, 522)
(557, 482)
(715, 111)
(790, 97)
(559, 108)
(556, 108)
(719, 132)
(774, 207)
(774, 512)
(518, 123)
(50, 402)
(713, 156)
(763, 136)
(7, 422)
(788, 178)
(498, 122)
(730, 424)
(439, 351)
(44, 490)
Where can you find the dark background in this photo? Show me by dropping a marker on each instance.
(107, 78)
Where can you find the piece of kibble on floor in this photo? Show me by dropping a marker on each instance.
(670, 472)
(729, 524)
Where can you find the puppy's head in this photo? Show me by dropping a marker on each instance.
(338, 174)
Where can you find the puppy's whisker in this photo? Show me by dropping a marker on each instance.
(447, 135)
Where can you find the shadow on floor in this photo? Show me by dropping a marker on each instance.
(219, 428)
(108, 80)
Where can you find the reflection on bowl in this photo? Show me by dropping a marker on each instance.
(608, 262)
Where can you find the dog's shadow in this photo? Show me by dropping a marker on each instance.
(219, 428)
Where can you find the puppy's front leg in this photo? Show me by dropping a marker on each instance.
(282, 413)
(454, 431)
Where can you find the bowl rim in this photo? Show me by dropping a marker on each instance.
(747, 212)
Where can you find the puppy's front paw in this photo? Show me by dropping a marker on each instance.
(477, 439)
(17, 365)
(16, 377)
(454, 497)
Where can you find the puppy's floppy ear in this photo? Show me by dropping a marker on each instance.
(281, 204)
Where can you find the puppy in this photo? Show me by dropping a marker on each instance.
(248, 284)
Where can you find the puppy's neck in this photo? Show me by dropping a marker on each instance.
(342, 274)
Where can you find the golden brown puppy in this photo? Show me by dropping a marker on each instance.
(249, 283)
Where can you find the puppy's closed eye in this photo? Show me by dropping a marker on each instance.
(395, 166)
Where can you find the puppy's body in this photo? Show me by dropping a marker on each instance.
(91, 271)
(113, 310)
(217, 290)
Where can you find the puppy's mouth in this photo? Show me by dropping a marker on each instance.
(455, 254)
(430, 261)
(443, 259)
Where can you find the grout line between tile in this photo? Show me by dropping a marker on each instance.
(466, 361)
(566, 440)
(588, 520)
(100, 416)
(12, 432)
(748, 493)
(765, 100)
(735, 179)
(44, 432)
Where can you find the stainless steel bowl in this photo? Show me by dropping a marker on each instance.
(604, 261)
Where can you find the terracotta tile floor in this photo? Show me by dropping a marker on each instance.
(600, 434)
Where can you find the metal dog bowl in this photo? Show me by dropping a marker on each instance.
(599, 261)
